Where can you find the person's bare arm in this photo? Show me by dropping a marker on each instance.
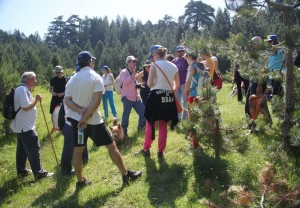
(33, 103)
(189, 80)
(151, 77)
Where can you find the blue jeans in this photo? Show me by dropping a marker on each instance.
(28, 146)
(109, 95)
(67, 152)
(139, 108)
(183, 101)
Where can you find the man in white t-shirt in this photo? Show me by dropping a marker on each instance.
(83, 97)
(23, 126)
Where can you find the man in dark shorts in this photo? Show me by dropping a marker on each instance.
(83, 97)
(57, 89)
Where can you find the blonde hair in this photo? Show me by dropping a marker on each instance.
(161, 52)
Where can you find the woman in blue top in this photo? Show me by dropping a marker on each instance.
(276, 63)
(194, 82)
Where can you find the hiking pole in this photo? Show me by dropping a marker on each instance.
(49, 133)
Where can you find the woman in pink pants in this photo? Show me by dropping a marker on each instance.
(160, 107)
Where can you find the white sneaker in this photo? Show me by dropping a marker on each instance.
(116, 118)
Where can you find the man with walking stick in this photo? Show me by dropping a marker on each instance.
(23, 126)
(83, 96)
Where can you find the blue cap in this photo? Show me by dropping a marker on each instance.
(104, 67)
(152, 50)
(78, 68)
(84, 57)
(180, 48)
(272, 38)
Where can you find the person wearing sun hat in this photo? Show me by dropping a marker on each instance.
(108, 81)
(130, 96)
(142, 77)
(182, 66)
(57, 89)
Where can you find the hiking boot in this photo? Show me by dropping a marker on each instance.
(83, 183)
(160, 155)
(131, 176)
(43, 175)
(143, 152)
(24, 173)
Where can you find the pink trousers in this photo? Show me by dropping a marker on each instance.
(162, 135)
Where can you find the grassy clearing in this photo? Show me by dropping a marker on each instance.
(183, 179)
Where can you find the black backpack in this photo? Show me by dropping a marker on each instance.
(61, 116)
(8, 110)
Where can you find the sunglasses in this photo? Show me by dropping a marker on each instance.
(180, 51)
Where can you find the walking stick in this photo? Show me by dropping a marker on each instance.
(49, 134)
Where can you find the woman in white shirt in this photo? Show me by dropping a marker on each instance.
(160, 107)
(108, 80)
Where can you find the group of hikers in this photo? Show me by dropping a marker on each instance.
(152, 93)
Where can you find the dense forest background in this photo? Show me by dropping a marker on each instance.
(111, 42)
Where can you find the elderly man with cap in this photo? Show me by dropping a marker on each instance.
(57, 89)
(108, 81)
(130, 95)
(182, 67)
(83, 97)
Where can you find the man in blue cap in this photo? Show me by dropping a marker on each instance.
(276, 64)
(182, 66)
(83, 97)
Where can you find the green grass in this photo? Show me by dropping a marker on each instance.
(183, 179)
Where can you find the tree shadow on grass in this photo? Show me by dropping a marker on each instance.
(12, 187)
(166, 183)
(129, 142)
(55, 193)
(211, 177)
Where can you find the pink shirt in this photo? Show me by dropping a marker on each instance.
(128, 86)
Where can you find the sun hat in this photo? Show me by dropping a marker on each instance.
(130, 58)
(147, 63)
(58, 69)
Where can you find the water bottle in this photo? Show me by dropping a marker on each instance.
(80, 135)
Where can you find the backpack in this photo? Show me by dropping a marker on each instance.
(8, 110)
(118, 85)
(59, 116)
(217, 80)
(202, 77)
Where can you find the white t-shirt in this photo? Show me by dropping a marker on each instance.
(81, 88)
(160, 81)
(25, 120)
(107, 81)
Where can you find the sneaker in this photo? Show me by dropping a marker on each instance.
(160, 155)
(131, 176)
(43, 175)
(83, 183)
(116, 118)
(143, 152)
(24, 173)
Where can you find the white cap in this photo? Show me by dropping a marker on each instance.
(129, 58)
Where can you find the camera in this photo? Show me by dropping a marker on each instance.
(138, 86)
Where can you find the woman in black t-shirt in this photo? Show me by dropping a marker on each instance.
(57, 89)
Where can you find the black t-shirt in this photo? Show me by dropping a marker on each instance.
(58, 84)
